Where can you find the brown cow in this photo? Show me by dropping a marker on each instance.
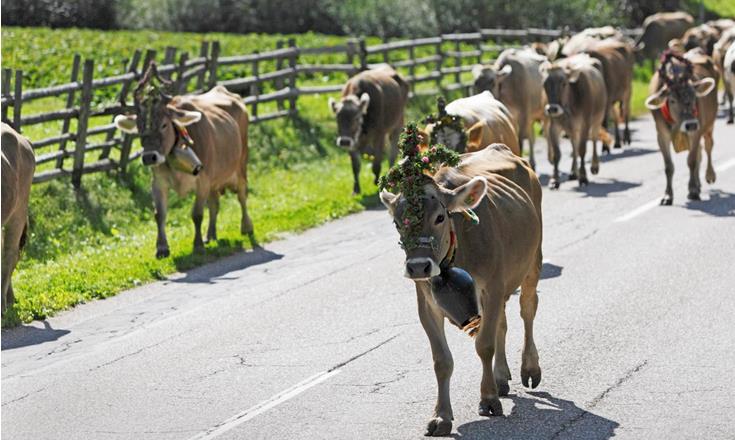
(217, 126)
(485, 121)
(658, 30)
(577, 98)
(18, 166)
(582, 40)
(371, 107)
(702, 36)
(515, 80)
(617, 59)
(683, 102)
(501, 252)
(720, 50)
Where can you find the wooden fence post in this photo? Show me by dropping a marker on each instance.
(150, 56)
(279, 81)
(440, 64)
(169, 57)
(412, 68)
(18, 100)
(84, 110)
(69, 104)
(127, 139)
(213, 56)
(363, 54)
(292, 64)
(386, 54)
(457, 61)
(180, 84)
(255, 86)
(203, 53)
(6, 93)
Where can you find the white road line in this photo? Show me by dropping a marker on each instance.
(726, 166)
(287, 394)
(638, 211)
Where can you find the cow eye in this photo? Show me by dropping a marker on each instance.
(164, 124)
(439, 219)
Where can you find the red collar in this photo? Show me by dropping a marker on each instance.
(666, 112)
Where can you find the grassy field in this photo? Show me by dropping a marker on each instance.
(98, 241)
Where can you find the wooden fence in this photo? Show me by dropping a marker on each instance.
(275, 78)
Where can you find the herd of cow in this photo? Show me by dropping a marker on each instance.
(484, 213)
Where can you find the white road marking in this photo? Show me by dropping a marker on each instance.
(726, 166)
(287, 394)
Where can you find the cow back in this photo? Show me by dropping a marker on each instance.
(523, 91)
(388, 96)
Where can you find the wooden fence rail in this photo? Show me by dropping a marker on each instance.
(277, 77)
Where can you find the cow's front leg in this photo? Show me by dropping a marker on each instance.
(197, 216)
(582, 150)
(500, 366)
(432, 320)
(492, 302)
(573, 173)
(664, 139)
(394, 137)
(693, 160)
(710, 175)
(730, 113)
(160, 201)
(213, 205)
(530, 368)
(355, 158)
(554, 154)
(531, 136)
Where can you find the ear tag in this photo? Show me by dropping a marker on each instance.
(471, 216)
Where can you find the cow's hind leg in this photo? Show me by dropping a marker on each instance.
(213, 205)
(246, 224)
(432, 320)
(710, 175)
(500, 367)
(531, 136)
(378, 159)
(530, 368)
(694, 160)
(554, 154)
(595, 166)
(393, 147)
(730, 114)
(197, 216)
(13, 233)
(492, 303)
(581, 148)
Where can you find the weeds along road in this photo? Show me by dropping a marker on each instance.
(318, 336)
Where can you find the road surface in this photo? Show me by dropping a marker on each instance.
(317, 337)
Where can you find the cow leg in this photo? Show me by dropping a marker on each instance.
(693, 160)
(500, 367)
(492, 303)
(618, 144)
(730, 118)
(530, 368)
(664, 139)
(605, 146)
(531, 136)
(13, 234)
(573, 173)
(355, 158)
(582, 150)
(246, 224)
(595, 166)
(378, 159)
(710, 175)
(213, 205)
(197, 216)
(554, 153)
(395, 135)
(625, 106)
(160, 201)
(432, 320)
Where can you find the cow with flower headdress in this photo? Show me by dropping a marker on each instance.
(193, 143)
(470, 226)
(683, 103)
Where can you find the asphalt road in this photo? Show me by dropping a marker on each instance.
(318, 336)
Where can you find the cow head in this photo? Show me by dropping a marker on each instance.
(679, 93)
(427, 239)
(557, 84)
(490, 78)
(350, 112)
(445, 129)
(157, 118)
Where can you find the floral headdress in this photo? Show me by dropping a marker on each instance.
(408, 177)
(452, 122)
(681, 74)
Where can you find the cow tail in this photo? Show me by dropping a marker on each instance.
(23, 236)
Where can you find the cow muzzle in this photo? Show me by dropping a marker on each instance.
(690, 125)
(421, 268)
(345, 142)
(150, 158)
(553, 110)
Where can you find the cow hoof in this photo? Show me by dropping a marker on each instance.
(490, 407)
(503, 387)
(162, 253)
(617, 145)
(554, 184)
(667, 200)
(573, 176)
(438, 426)
(694, 196)
(711, 177)
(532, 373)
(595, 169)
(605, 148)
(730, 121)
(583, 181)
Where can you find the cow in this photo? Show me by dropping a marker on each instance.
(683, 102)
(515, 80)
(658, 30)
(212, 125)
(577, 98)
(722, 24)
(481, 120)
(501, 252)
(702, 36)
(372, 106)
(729, 78)
(617, 59)
(719, 52)
(18, 166)
(582, 40)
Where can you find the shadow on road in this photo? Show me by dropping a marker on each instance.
(720, 204)
(549, 270)
(25, 335)
(211, 272)
(598, 188)
(627, 152)
(556, 418)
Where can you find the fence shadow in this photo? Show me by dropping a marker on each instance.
(543, 416)
(241, 260)
(25, 335)
(719, 204)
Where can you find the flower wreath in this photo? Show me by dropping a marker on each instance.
(408, 177)
(452, 122)
(679, 79)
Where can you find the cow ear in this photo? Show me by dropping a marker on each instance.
(658, 99)
(504, 72)
(182, 118)
(474, 137)
(703, 87)
(573, 75)
(333, 105)
(467, 196)
(477, 71)
(364, 103)
(389, 200)
(126, 123)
